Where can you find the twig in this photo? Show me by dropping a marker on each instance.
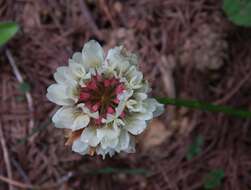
(15, 183)
(21, 80)
(107, 13)
(20, 170)
(234, 91)
(86, 13)
(6, 156)
(166, 68)
(27, 186)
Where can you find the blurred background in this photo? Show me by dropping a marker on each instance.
(187, 49)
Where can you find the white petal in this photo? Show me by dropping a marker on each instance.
(130, 103)
(140, 95)
(120, 57)
(77, 58)
(123, 99)
(113, 56)
(59, 74)
(103, 152)
(109, 132)
(64, 76)
(119, 109)
(80, 122)
(109, 118)
(72, 92)
(87, 111)
(135, 77)
(77, 70)
(89, 136)
(135, 106)
(118, 123)
(130, 72)
(117, 62)
(143, 110)
(135, 127)
(131, 146)
(145, 88)
(159, 110)
(147, 115)
(149, 108)
(93, 55)
(57, 93)
(80, 147)
(64, 117)
(155, 106)
(109, 143)
(109, 136)
(124, 140)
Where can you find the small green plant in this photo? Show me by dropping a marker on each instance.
(7, 31)
(24, 87)
(213, 179)
(238, 11)
(195, 148)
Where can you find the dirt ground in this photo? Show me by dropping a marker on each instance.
(187, 49)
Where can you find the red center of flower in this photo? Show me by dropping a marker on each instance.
(101, 94)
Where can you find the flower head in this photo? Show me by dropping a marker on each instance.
(104, 101)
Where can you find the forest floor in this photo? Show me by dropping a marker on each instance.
(187, 49)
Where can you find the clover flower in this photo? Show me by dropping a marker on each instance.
(104, 100)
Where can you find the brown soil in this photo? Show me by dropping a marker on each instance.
(187, 49)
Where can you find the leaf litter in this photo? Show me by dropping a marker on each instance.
(52, 30)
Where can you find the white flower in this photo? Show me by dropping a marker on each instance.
(104, 100)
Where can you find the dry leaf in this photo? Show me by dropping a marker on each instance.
(185, 126)
(72, 136)
(155, 135)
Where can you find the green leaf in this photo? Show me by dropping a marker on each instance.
(195, 148)
(204, 106)
(238, 11)
(7, 31)
(214, 179)
(24, 87)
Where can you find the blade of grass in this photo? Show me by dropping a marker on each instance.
(204, 106)
(7, 31)
(214, 179)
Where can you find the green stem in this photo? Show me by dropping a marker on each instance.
(204, 106)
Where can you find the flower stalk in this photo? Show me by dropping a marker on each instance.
(205, 106)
